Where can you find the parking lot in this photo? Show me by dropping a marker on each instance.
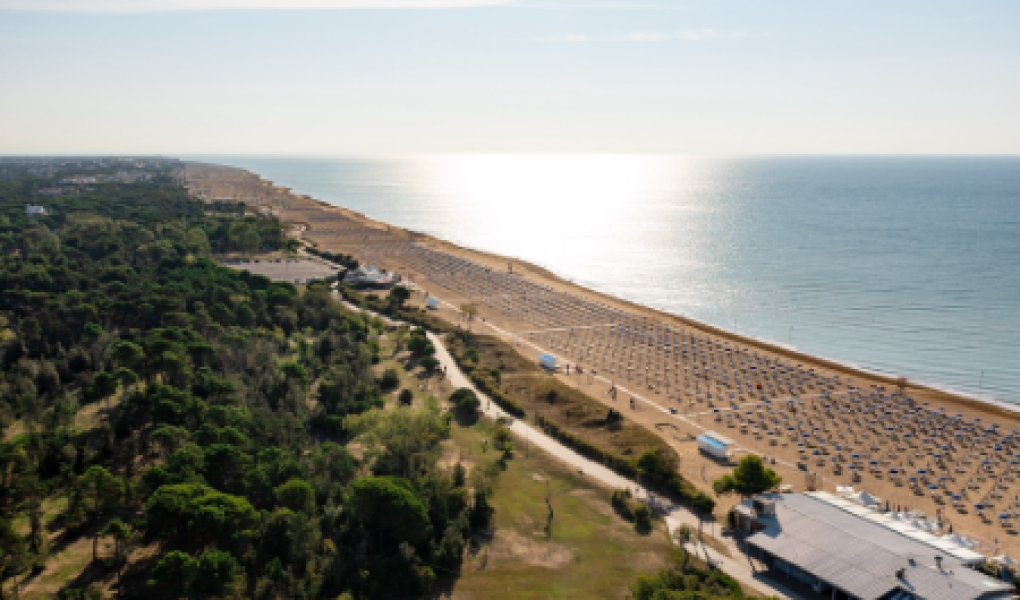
(282, 269)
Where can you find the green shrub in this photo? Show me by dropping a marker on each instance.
(389, 380)
(642, 517)
(465, 400)
(405, 397)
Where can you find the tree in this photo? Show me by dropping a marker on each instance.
(294, 371)
(104, 385)
(749, 478)
(656, 465)
(126, 377)
(470, 310)
(104, 489)
(406, 397)
(120, 533)
(400, 338)
(398, 296)
(429, 363)
(465, 400)
(174, 573)
(481, 511)
(297, 495)
(198, 515)
(389, 380)
(127, 354)
(389, 509)
(216, 575)
(170, 438)
(418, 342)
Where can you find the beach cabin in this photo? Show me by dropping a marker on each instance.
(715, 445)
(548, 361)
(432, 304)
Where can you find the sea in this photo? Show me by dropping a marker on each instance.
(906, 266)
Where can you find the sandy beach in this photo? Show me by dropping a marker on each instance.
(915, 447)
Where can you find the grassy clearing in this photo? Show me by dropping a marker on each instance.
(590, 553)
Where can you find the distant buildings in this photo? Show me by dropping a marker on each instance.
(34, 210)
(80, 180)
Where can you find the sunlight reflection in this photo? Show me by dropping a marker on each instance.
(537, 199)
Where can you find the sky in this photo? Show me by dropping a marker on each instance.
(384, 77)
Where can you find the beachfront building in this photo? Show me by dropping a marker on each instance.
(842, 549)
(369, 276)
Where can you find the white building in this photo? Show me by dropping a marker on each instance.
(34, 210)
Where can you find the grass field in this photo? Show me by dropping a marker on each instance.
(591, 552)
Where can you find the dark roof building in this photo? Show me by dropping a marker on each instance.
(845, 554)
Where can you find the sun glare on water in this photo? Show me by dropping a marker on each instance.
(546, 202)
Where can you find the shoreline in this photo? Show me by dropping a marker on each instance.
(942, 392)
(932, 391)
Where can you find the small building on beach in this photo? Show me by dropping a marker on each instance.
(843, 550)
(548, 361)
(717, 446)
(369, 276)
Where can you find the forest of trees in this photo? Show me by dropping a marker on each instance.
(224, 406)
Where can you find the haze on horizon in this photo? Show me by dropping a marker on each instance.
(436, 76)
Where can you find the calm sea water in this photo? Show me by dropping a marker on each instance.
(908, 266)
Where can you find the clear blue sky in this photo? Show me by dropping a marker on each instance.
(669, 76)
